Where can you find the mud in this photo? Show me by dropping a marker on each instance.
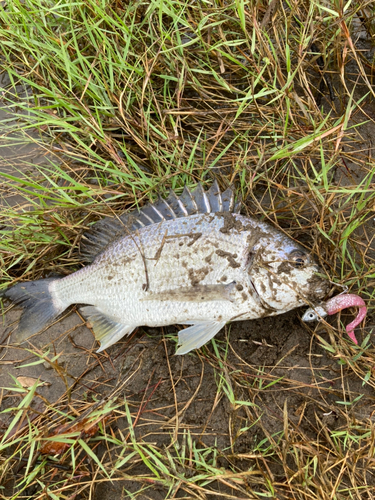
(178, 394)
(230, 258)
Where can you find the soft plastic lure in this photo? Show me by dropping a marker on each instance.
(336, 304)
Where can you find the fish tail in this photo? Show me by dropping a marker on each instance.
(40, 305)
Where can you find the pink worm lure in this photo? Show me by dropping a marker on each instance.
(336, 304)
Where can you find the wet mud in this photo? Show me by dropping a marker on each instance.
(274, 364)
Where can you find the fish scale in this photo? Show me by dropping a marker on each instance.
(181, 261)
(190, 260)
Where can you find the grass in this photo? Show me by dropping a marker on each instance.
(127, 100)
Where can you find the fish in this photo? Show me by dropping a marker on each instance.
(191, 260)
(336, 304)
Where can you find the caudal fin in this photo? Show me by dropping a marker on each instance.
(39, 306)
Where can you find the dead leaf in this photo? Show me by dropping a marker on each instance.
(86, 428)
(30, 381)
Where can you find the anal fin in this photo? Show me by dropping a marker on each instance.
(197, 335)
(107, 331)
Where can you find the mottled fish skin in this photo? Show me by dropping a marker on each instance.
(204, 269)
(124, 281)
(187, 253)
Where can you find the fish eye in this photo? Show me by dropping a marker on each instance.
(311, 315)
(298, 258)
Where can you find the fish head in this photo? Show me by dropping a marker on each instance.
(285, 275)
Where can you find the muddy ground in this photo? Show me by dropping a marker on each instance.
(163, 389)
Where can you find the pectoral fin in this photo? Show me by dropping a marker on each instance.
(198, 293)
(197, 335)
(106, 330)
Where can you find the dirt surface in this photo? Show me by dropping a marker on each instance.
(174, 395)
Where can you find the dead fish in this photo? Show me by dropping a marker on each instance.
(190, 260)
(336, 304)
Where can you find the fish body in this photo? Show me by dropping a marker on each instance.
(190, 260)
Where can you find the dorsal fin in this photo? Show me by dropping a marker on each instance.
(199, 201)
